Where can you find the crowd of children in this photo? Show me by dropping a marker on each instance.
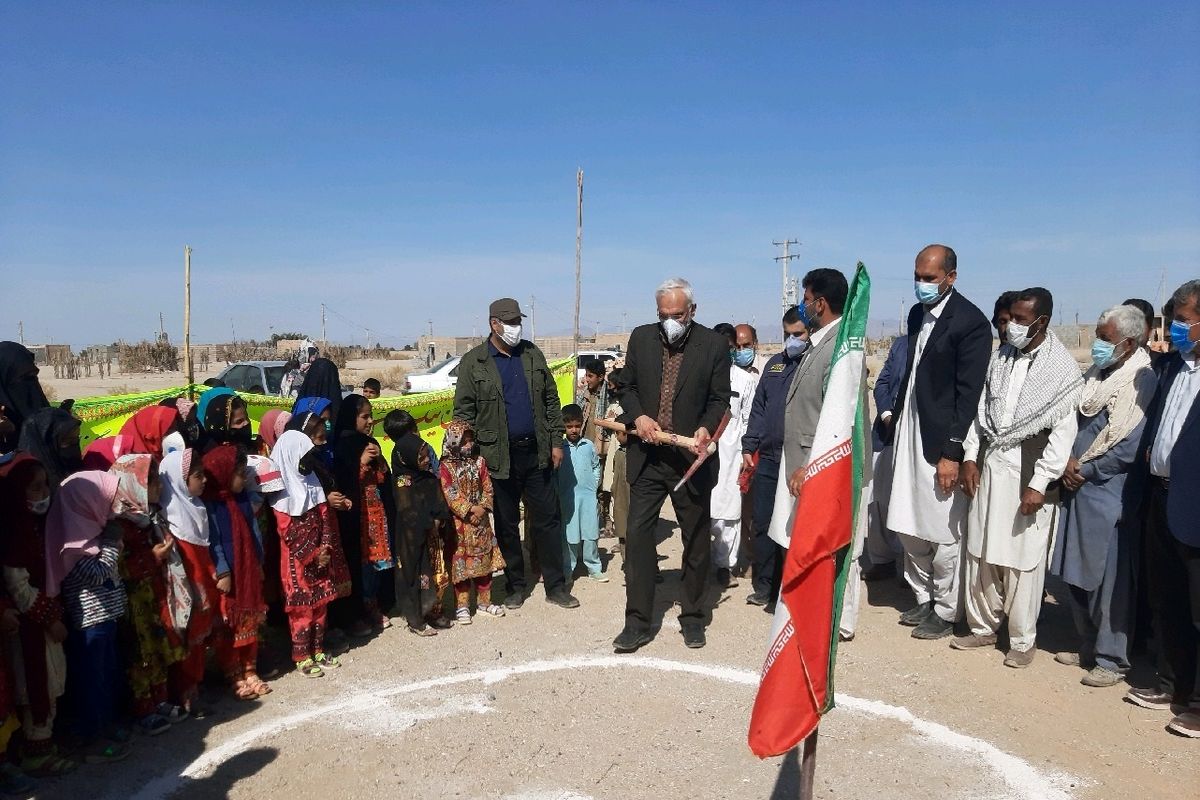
(186, 540)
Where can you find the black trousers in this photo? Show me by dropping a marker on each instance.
(537, 487)
(1173, 575)
(346, 611)
(768, 556)
(649, 490)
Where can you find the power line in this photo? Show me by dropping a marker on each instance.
(369, 331)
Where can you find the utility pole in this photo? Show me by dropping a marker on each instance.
(162, 332)
(324, 340)
(578, 249)
(188, 367)
(1162, 299)
(789, 294)
(21, 332)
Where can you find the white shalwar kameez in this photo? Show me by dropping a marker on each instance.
(928, 521)
(726, 502)
(1006, 551)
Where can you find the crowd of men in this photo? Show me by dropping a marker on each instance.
(992, 466)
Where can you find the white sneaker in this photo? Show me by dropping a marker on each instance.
(492, 610)
(598, 577)
(463, 616)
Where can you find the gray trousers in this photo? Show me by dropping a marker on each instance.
(932, 572)
(1104, 617)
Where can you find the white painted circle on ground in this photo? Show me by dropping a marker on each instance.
(1023, 779)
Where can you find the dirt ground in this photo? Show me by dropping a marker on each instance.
(535, 706)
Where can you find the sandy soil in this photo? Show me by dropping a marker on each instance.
(415, 717)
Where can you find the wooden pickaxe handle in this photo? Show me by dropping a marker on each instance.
(662, 437)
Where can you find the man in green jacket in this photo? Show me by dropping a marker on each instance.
(506, 392)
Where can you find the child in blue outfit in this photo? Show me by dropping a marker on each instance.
(578, 480)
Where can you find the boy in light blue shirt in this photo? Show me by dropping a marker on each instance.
(578, 480)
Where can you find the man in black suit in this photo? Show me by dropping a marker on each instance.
(949, 345)
(676, 380)
(1168, 485)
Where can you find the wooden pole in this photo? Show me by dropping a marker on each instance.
(578, 251)
(808, 766)
(188, 367)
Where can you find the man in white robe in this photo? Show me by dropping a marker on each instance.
(1025, 428)
(949, 342)
(726, 503)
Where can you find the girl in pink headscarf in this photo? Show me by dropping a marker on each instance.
(272, 426)
(83, 548)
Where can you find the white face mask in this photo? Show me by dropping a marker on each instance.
(39, 507)
(794, 346)
(1019, 335)
(173, 442)
(673, 329)
(511, 335)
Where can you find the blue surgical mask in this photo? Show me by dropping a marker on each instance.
(1103, 353)
(743, 356)
(927, 293)
(1179, 337)
(795, 346)
(807, 318)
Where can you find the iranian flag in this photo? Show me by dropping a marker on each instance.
(797, 678)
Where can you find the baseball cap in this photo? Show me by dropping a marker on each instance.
(505, 309)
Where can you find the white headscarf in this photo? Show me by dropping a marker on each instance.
(186, 515)
(300, 492)
(1126, 392)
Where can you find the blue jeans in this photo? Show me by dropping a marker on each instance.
(94, 672)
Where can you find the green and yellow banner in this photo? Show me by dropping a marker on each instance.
(104, 416)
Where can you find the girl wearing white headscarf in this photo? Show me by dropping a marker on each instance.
(312, 566)
(182, 474)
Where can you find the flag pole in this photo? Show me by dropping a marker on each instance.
(188, 367)
(578, 254)
(808, 766)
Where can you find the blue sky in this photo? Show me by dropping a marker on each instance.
(412, 161)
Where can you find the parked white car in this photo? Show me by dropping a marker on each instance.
(441, 376)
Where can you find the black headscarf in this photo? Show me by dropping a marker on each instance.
(420, 511)
(39, 437)
(217, 417)
(348, 445)
(322, 380)
(406, 459)
(20, 392)
(348, 448)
